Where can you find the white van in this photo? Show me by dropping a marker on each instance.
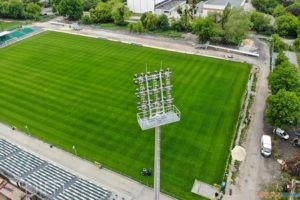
(266, 145)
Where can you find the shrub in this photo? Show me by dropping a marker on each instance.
(86, 19)
(278, 44)
(297, 43)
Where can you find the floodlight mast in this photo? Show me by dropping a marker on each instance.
(155, 109)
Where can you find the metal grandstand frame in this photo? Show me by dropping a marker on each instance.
(156, 109)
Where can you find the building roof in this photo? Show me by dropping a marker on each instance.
(169, 4)
(225, 2)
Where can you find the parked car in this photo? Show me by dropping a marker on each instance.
(295, 142)
(281, 133)
(298, 132)
(266, 145)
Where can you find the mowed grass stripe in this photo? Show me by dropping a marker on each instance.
(72, 90)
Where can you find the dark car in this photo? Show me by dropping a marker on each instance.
(298, 132)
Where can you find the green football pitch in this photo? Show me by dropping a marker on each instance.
(74, 90)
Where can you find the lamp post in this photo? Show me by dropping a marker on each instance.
(155, 108)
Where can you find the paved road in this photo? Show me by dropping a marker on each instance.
(256, 170)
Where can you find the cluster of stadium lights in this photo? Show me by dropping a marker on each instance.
(154, 92)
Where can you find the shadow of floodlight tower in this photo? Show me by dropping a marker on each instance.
(155, 108)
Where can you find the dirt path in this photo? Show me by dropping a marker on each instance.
(256, 170)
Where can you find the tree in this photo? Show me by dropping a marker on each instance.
(192, 8)
(119, 12)
(283, 109)
(73, 9)
(281, 57)
(136, 27)
(297, 43)
(102, 13)
(294, 8)
(149, 21)
(4, 5)
(287, 25)
(265, 6)
(16, 9)
(163, 22)
(260, 22)
(89, 4)
(285, 76)
(204, 28)
(237, 26)
(225, 15)
(279, 45)
(33, 11)
(279, 10)
(86, 19)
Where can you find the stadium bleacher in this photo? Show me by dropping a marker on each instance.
(45, 179)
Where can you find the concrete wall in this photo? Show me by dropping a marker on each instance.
(142, 6)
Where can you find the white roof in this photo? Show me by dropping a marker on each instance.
(4, 33)
(266, 140)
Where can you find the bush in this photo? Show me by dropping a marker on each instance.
(136, 27)
(149, 21)
(260, 22)
(204, 28)
(102, 13)
(287, 25)
(33, 11)
(86, 19)
(278, 44)
(265, 6)
(281, 57)
(297, 43)
(163, 22)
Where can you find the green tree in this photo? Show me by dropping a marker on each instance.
(285, 76)
(119, 12)
(294, 8)
(102, 13)
(237, 26)
(281, 57)
(260, 22)
(225, 15)
(33, 11)
(265, 6)
(278, 43)
(89, 4)
(54, 4)
(297, 43)
(279, 10)
(287, 25)
(73, 9)
(149, 21)
(86, 19)
(192, 8)
(204, 28)
(4, 5)
(283, 109)
(163, 22)
(16, 9)
(136, 27)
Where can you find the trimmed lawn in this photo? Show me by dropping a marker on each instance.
(74, 90)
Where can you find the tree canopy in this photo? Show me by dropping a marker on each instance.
(237, 26)
(283, 109)
(73, 9)
(285, 76)
(287, 25)
(204, 28)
